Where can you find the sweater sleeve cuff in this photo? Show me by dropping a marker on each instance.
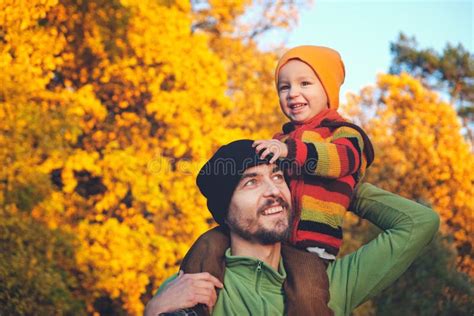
(297, 151)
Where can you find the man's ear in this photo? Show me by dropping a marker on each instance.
(225, 223)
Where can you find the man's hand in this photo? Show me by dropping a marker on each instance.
(273, 146)
(186, 291)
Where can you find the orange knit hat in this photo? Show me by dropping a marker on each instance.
(326, 63)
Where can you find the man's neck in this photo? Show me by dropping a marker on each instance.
(270, 254)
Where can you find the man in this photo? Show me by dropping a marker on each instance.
(262, 275)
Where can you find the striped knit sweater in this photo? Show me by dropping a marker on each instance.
(328, 157)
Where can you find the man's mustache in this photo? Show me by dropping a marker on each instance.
(270, 202)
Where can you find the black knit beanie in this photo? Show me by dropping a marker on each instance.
(221, 174)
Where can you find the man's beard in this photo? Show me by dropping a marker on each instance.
(263, 235)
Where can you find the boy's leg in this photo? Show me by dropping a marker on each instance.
(307, 284)
(208, 253)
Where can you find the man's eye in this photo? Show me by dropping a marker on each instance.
(284, 87)
(305, 83)
(250, 182)
(278, 177)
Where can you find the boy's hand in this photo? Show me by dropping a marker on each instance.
(273, 146)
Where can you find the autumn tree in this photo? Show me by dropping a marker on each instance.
(36, 266)
(420, 152)
(125, 190)
(108, 110)
(452, 70)
(234, 28)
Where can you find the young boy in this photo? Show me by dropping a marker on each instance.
(327, 155)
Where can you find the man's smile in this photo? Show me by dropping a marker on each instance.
(273, 210)
(275, 207)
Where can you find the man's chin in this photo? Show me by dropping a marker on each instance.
(279, 224)
(262, 235)
(266, 230)
(277, 232)
(270, 237)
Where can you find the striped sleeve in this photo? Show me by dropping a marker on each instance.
(340, 157)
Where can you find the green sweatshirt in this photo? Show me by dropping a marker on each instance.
(252, 287)
(254, 282)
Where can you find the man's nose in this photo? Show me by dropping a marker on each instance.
(271, 189)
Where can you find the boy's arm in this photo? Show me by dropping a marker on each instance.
(342, 156)
(407, 228)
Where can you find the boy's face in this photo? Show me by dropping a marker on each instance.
(301, 94)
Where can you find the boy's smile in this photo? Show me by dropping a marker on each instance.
(301, 94)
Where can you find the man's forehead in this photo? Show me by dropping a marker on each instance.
(261, 169)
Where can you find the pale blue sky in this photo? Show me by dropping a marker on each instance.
(362, 31)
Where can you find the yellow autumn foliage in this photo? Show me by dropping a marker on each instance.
(109, 109)
(420, 152)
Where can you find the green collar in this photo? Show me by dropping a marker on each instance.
(248, 267)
